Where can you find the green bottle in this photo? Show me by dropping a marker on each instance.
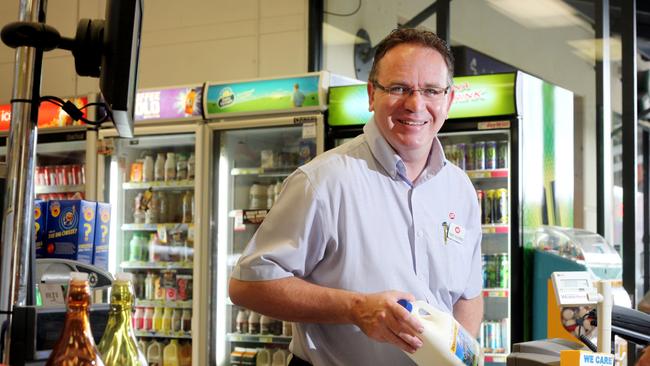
(118, 345)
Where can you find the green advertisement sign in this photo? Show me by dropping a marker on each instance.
(475, 96)
(348, 105)
(483, 96)
(263, 95)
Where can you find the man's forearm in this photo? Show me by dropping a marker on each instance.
(469, 313)
(294, 299)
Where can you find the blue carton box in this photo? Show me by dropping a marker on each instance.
(40, 213)
(102, 226)
(70, 230)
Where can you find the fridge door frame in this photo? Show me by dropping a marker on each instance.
(217, 354)
(200, 299)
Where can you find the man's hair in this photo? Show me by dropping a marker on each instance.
(413, 36)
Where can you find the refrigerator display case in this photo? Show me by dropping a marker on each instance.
(65, 161)
(513, 135)
(153, 184)
(258, 135)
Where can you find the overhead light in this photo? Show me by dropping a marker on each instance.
(538, 13)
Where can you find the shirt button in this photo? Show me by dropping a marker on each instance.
(420, 234)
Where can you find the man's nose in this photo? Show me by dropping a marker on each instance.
(414, 102)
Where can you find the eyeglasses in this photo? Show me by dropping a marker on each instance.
(403, 91)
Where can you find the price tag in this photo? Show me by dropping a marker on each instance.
(238, 215)
(162, 233)
(51, 294)
(266, 339)
(309, 130)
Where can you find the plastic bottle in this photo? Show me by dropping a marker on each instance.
(167, 320)
(170, 353)
(148, 319)
(263, 357)
(279, 358)
(152, 215)
(159, 167)
(135, 252)
(176, 320)
(118, 345)
(138, 318)
(148, 286)
(185, 354)
(181, 167)
(148, 173)
(191, 167)
(188, 197)
(155, 354)
(445, 341)
(170, 167)
(270, 195)
(138, 211)
(254, 323)
(163, 207)
(242, 321)
(186, 320)
(157, 319)
(76, 345)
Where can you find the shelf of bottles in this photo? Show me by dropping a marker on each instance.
(59, 182)
(157, 233)
(484, 157)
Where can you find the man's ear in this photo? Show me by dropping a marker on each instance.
(371, 96)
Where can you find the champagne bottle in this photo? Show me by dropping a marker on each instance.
(76, 346)
(118, 345)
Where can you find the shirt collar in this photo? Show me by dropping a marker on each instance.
(392, 162)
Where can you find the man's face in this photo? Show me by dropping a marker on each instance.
(410, 122)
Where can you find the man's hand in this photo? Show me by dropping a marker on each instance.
(380, 317)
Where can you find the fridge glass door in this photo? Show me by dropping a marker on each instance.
(485, 157)
(151, 190)
(60, 171)
(251, 167)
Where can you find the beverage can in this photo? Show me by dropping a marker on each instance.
(487, 215)
(500, 209)
(67, 175)
(470, 163)
(503, 270)
(76, 174)
(479, 155)
(502, 154)
(48, 176)
(461, 153)
(484, 261)
(60, 175)
(480, 194)
(490, 155)
(492, 271)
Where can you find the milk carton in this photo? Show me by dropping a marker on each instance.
(445, 341)
(70, 230)
(40, 214)
(102, 225)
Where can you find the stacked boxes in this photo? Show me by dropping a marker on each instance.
(40, 213)
(74, 230)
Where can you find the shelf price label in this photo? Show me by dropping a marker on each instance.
(266, 339)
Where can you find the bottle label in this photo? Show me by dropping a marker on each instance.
(463, 347)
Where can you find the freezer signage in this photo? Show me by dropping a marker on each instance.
(483, 96)
(173, 103)
(348, 105)
(263, 95)
(49, 115)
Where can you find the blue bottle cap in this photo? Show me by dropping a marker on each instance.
(406, 304)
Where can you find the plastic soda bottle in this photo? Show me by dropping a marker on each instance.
(170, 353)
(76, 345)
(118, 345)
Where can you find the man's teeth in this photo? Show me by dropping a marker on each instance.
(412, 123)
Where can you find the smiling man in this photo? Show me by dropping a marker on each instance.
(368, 223)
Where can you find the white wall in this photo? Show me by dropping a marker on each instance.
(183, 42)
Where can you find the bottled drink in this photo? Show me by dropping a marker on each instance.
(176, 320)
(181, 167)
(186, 320)
(188, 197)
(76, 345)
(135, 252)
(149, 286)
(152, 215)
(154, 353)
(138, 318)
(148, 173)
(185, 354)
(167, 320)
(157, 319)
(170, 353)
(163, 204)
(170, 167)
(148, 319)
(159, 167)
(191, 166)
(118, 345)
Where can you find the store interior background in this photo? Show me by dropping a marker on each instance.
(192, 41)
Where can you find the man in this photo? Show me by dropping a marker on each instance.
(298, 97)
(381, 218)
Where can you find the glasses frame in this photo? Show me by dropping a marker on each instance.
(409, 91)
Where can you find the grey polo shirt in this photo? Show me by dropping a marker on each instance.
(350, 219)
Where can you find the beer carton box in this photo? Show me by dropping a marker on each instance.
(40, 213)
(70, 230)
(102, 225)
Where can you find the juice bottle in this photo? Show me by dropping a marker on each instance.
(157, 319)
(148, 319)
(176, 320)
(159, 167)
(154, 353)
(118, 345)
(167, 320)
(185, 354)
(76, 345)
(170, 353)
(170, 167)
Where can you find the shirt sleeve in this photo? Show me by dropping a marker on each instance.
(475, 281)
(290, 241)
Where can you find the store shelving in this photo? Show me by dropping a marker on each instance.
(259, 338)
(156, 227)
(165, 335)
(488, 174)
(175, 304)
(156, 265)
(42, 189)
(183, 184)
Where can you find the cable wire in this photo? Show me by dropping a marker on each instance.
(344, 15)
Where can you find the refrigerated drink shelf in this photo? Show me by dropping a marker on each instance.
(156, 227)
(487, 174)
(178, 304)
(160, 185)
(495, 229)
(259, 338)
(179, 335)
(263, 172)
(40, 189)
(156, 265)
(495, 292)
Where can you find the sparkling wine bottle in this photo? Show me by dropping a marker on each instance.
(118, 345)
(76, 346)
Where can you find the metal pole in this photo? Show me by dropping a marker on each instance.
(18, 213)
(646, 212)
(603, 123)
(315, 35)
(442, 19)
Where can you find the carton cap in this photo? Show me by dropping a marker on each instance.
(78, 276)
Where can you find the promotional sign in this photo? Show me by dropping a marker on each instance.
(49, 115)
(348, 105)
(483, 96)
(263, 95)
(172, 103)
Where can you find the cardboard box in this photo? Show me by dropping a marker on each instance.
(102, 232)
(70, 230)
(40, 214)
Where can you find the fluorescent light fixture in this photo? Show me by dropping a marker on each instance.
(539, 13)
